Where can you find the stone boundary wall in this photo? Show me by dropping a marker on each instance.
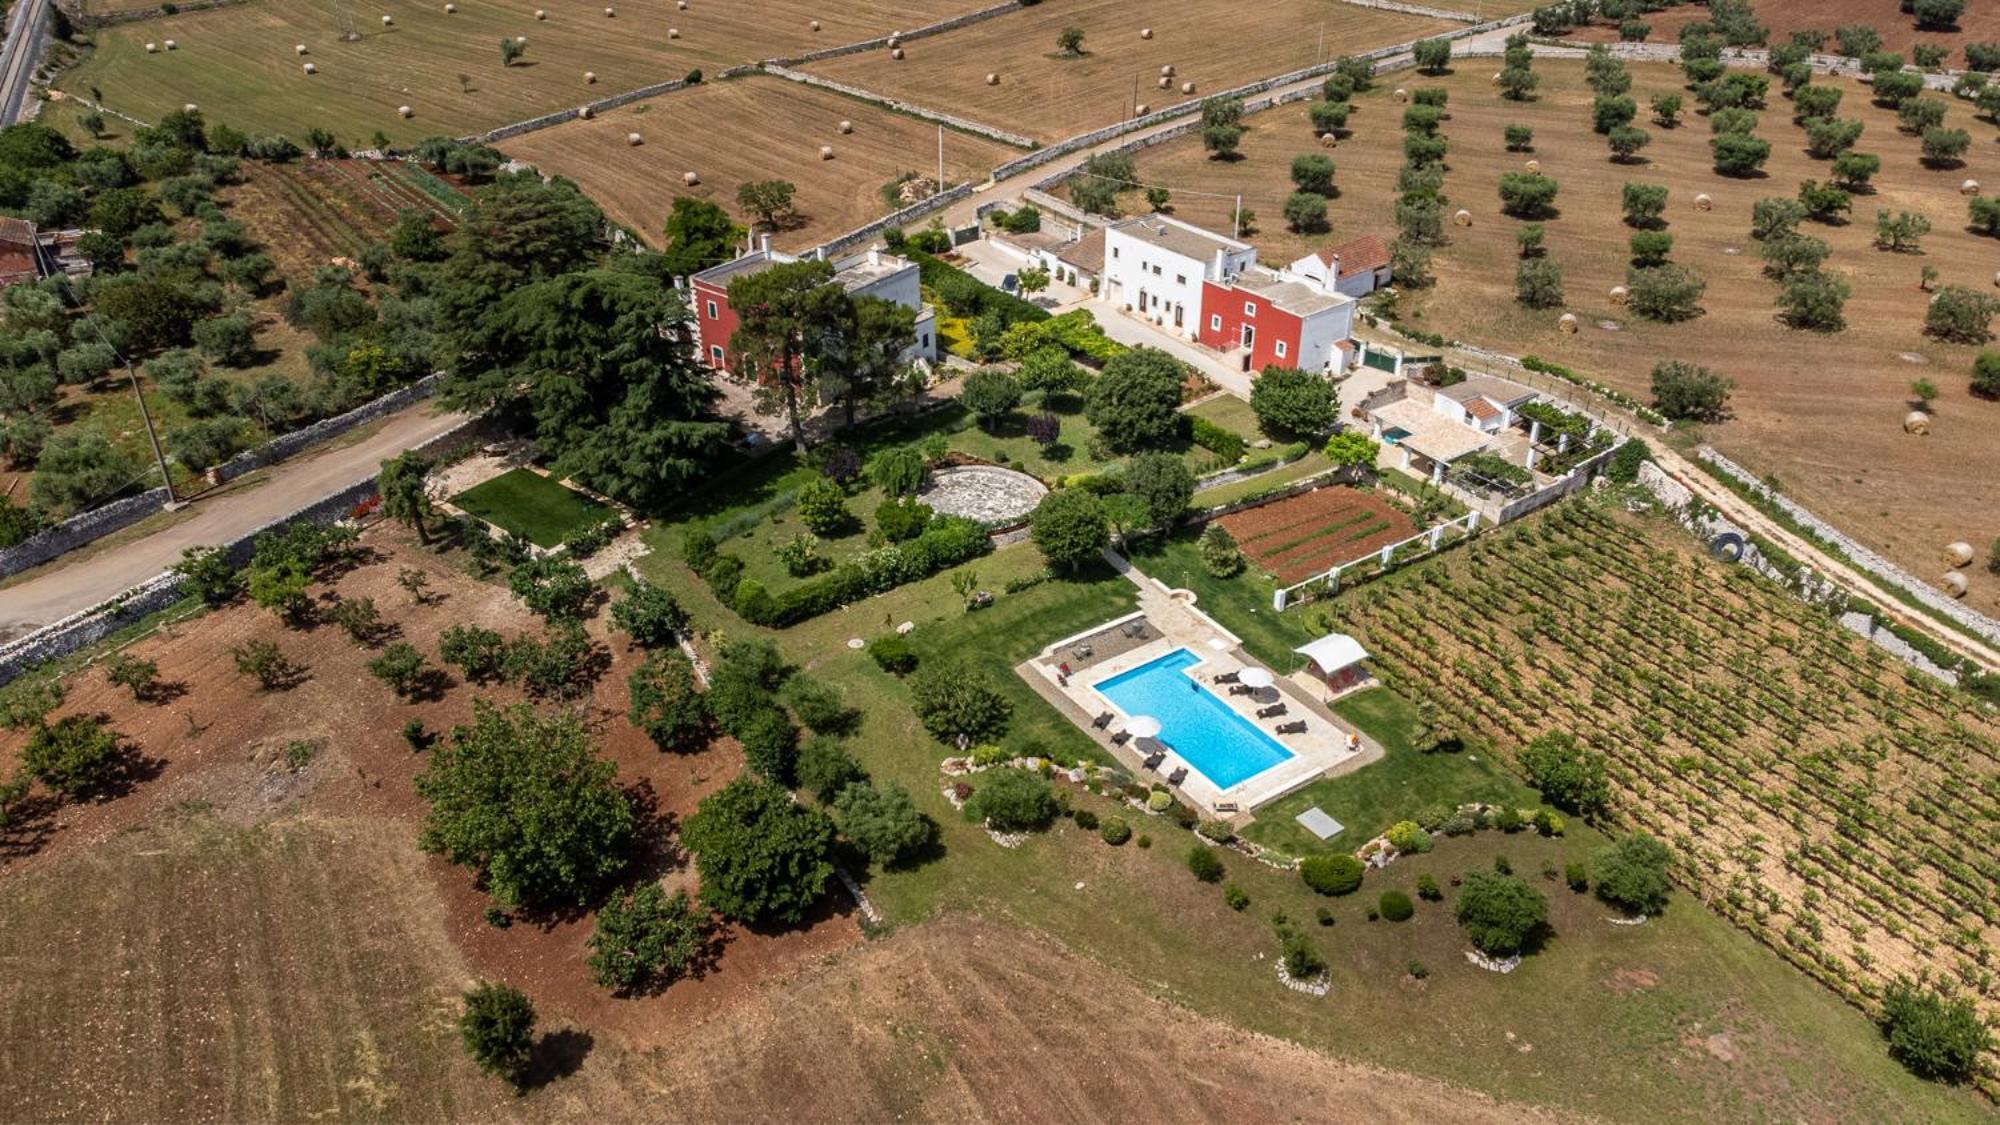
(1160, 117)
(1577, 479)
(74, 10)
(88, 527)
(1860, 556)
(843, 243)
(911, 108)
(882, 41)
(89, 626)
(1415, 10)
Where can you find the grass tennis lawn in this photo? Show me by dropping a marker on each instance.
(1370, 799)
(528, 504)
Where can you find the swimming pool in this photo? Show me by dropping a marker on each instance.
(1194, 722)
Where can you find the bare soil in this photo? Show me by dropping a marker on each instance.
(1296, 538)
(1047, 96)
(1820, 412)
(730, 133)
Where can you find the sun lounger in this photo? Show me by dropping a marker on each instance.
(1241, 689)
(1121, 738)
(1271, 712)
(1229, 678)
(1102, 721)
(1298, 727)
(1154, 759)
(1179, 775)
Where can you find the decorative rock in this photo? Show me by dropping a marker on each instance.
(1618, 294)
(1145, 33)
(1969, 187)
(1533, 165)
(633, 139)
(1567, 324)
(826, 152)
(1462, 219)
(1917, 422)
(1954, 583)
(590, 78)
(896, 54)
(1958, 554)
(992, 79)
(1703, 203)
(311, 69)
(690, 178)
(405, 111)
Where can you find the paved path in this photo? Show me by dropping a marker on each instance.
(18, 55)
(78, 581)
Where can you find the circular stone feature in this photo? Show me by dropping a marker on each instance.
(987, 493)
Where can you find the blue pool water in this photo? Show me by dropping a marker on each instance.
(1194, 723)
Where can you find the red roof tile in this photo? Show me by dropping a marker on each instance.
(1362, 255)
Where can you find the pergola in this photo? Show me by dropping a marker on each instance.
(1335, 659)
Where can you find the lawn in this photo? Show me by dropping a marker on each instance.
(1241, 603)
(529, 504)
(1375, 796)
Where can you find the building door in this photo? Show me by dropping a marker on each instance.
(1177, 314)
(1249, 344)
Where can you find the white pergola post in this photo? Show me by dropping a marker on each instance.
(1472, 521)
(1528, 460)
(1386, 552)
(1437, 533)
(1534, 430)
(1437, 472)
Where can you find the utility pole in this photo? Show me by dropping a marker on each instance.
(940, 176)
(1238, 231)
(159, 455)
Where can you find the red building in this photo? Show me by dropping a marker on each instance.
(869, 274)
(1261, 318)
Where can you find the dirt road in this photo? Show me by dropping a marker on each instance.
(78, 581)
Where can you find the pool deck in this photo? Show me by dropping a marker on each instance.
(1172, 622)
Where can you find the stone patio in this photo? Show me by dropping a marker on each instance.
(989, 494)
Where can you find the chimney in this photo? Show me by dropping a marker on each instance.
(1221, 255)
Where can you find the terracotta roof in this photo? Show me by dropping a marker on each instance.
(17, 230)
(1362, 255)
(1087, 253)
(1480, 408)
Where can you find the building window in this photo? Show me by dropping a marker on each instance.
(927, 341)
(1249, 308)
(711, 310)
(1156, 271)
(715, 354)
(1114, 251)
(1180, 279)
(1281, 349)
(1215, 322)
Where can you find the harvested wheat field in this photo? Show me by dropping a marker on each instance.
(1979, 23)
(1822, 413)
(240, 62)
(747, 129)
(1310, 534)
(1047, 96)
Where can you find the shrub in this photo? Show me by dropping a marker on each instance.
(1220, 555)
(825, 768)
(957, 704)
(1651, 247)
(1204, 864)
(262, 661)
(1960, 315)
(822, 506)
(402, 667)
(900, 518)
(1569, 775)
(666, 702)
(554, 588)
(1291, 402)
(1668, 293)
(1577, 876)
(1644, 203)
(73, 755)
(770, 743)
(1935, 1037)
(1301, 959)
(1527, 195)
(761, 856)
(1338, 874)
(1520, 138)
(1499, 912)
(644, 937)
(883, 822)
(1236, 898)
(1428, 890)
(1217, 830)
(1011, 800)
(1114, 830)
(1085, 819)
(898, 472)
(1395, 906)
(892, 653)
(1632, 874)
(649, 614)
(498, 1030)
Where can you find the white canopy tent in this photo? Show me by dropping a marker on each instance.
(1333, 652)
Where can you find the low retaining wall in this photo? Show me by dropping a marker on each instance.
(1860, 556)
(948, 120)
(1578, 478)
(87, 627)
(88, 527)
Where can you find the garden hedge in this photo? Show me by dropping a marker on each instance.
(947, 542)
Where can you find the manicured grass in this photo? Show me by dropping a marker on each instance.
(1242, 603)
(529, 504)
(1229, 412)
(1381, 793)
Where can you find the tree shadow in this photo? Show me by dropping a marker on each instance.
(557, 1055)
(161, 692)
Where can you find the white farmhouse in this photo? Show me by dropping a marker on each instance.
(1155, 266)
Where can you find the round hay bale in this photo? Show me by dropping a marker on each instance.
(311, 69)
(301, 48)
(405, 111)
(826, 152)
(1462, 219)
(1567, 324)
(1167, 71)
(690, 178)
(680, 5)
(896, 53)
(1916, 422)
(1166, 83)
(170, 44)
(191, 107)
(1969, 187)
(388, 21)
(634, 139)
(1141, 109)
(1328, 140)
(846, 127)
(1958, 554)
(1619, 294)
(1496, 78)
(1401, 94)
(1533, 165)
(1145, 33)
(590, 78)
(815, 25)
(673, 33)
(450, 9)
(1953, 583)
(1996, 279)
(585, 112)
(541, 13)
(152, 48)
(610, 12)
(895, 41)
(521, 39)
(1187, 87)
(1703, 203)
(992, 79)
